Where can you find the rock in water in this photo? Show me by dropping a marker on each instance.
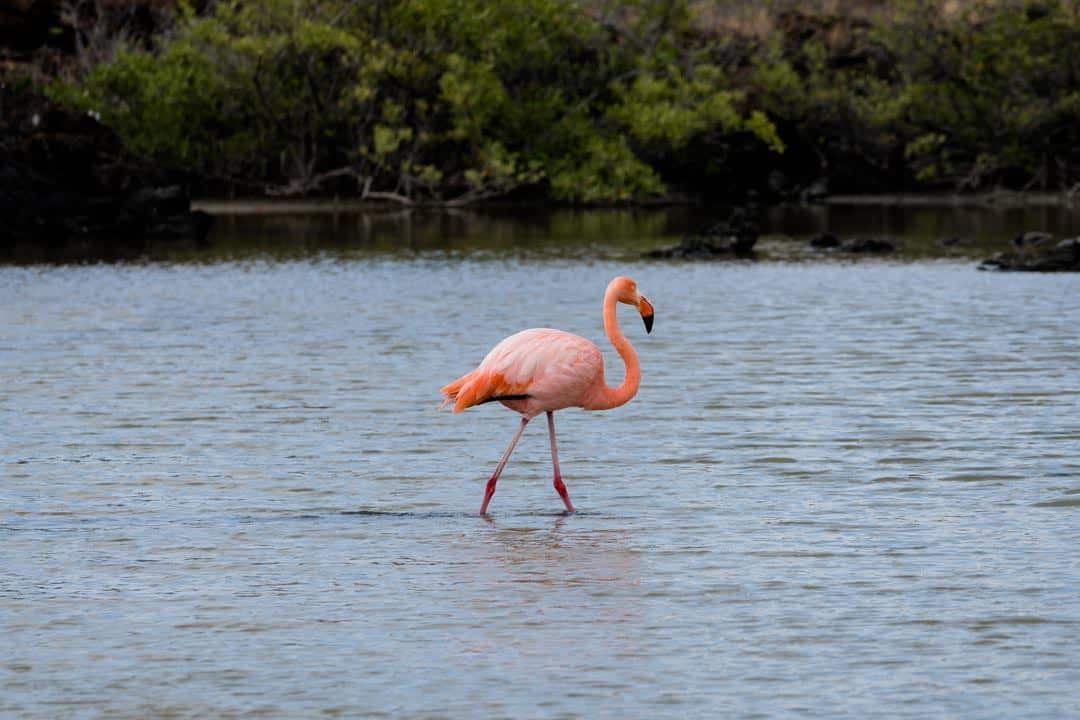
(828, 241)
(867, 245)
(731, 238)
(1038, 257)
(824, 240)
(1032, 238)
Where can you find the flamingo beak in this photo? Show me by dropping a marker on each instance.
(646, 309)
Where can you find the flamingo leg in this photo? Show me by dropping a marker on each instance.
(490, 489)
(560, 486)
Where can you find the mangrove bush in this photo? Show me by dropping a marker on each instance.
(452, 101)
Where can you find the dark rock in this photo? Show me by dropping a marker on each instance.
(951, 241)
(695, 247)
(1041, 257)
(828, 241)
(824, 240)
(867, 245)
(731, 238)
(742, 225)
(1032, 238)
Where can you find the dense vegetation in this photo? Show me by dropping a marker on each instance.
(451, 101)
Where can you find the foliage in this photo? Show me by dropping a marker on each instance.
(1004, 99)
(985, 95)
(451, 101)
(439, 100)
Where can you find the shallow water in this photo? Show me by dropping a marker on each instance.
(842, 491)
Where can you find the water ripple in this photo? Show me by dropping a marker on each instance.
(841, 492)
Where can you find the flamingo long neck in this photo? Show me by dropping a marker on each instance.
(611, 397)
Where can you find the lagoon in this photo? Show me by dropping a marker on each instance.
(847, 486)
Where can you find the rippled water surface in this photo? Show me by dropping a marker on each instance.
(844, 490)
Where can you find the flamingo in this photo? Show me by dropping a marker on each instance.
(544, 370)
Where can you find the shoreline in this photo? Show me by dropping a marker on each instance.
(305, 206)
(1003, 198)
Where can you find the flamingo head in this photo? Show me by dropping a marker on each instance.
(626, 291)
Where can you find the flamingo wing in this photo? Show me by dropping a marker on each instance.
(556, 368)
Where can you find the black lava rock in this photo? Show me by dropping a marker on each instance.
(828, 241)
(867, 245)
(1041, 257)
(1033, 238)
(731, 238)
(824, 240)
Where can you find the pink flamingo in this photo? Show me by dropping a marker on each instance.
(544, 370)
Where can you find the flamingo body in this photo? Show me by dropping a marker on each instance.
(544, 370)
(533, 371)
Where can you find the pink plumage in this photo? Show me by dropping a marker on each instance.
(531, 372)
(544, 370)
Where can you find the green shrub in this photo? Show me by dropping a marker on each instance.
(439, 100)
(450, 101)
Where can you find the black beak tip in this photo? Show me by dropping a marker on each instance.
(648, 323)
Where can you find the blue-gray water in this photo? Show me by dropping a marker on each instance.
(844, 490)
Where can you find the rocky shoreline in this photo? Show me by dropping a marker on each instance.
(70, 191)
(1037, 252)
(735, 238)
